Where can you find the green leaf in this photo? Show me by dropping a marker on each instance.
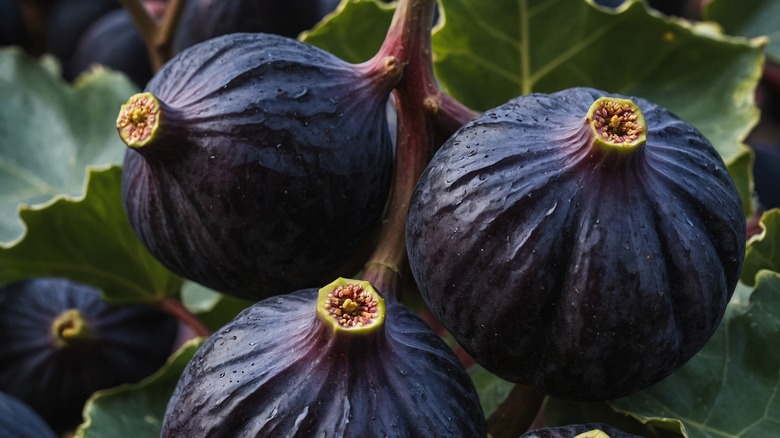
(212, 308)
(730, 388)
(490, 51)
(354, 31)
(492, 390)
(750, 18)
(136, 410)
(741, 171)
(88, 239)
(763, 251)
(51, 131)
(560, 413)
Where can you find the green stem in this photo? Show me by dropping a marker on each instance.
(156, 35)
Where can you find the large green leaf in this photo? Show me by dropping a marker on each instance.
(763, 250)
(730, 388)
(88, 239)
(135, 410)
(750, 18)
(354, 31)
(51, 131)
(488, 52)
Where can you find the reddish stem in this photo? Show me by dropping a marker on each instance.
(409, 41)
(156, 35)
(516, 413)
(176, 308)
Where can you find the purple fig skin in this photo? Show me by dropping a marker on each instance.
(575, 430)
(17, 420)
(589, 273)
(279, 370)
(272, 161)
(125, 345)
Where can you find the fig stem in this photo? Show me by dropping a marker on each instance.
(176, 309)
(156, 35)
(408, 41)
(516, 413)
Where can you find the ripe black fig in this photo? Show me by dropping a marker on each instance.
(334, 362)
(256, 163)
(587, 430)
(202, 20)
(568, 242)
(17, 420)
(60, 342)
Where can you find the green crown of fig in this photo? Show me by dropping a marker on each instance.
(351, 306)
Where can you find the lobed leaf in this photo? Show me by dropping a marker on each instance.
(750, 18)
(763, 251)
(88, 239)
(51, 131)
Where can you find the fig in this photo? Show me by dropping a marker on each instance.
(256, 163)
(19, 420)
(67, 21)
(202, 20)
(60, 342)
(582, 242)
(112, 41)
(13, 29)
(588, 430)
(338, 361)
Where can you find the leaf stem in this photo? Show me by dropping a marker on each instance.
(516, 413)
(156, 35)
(175, 308)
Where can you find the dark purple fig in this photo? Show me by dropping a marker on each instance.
(568, 244)
(17, 420)
(334, 362)
(202, 20)
(60, 342)
(588, 430)
(112, 41)
(13, 29)
(257, 163)
(67, 21)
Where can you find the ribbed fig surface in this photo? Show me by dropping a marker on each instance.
(585, 266)
(60, 342)
(279, 369)
(270, 162)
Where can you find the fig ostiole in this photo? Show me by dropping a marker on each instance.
(582, 242)
(257, 163)
(586, 430)
(296, 365)
(60, 342)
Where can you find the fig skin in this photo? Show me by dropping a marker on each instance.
(272, 161)
(574, 430)
(126, 344)
(588, 273)
(18, 420)
(202, 20)
(279, 370)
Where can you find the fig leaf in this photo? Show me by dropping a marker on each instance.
(730, 387)
(750, 19)
(630, 50)
(763, 251)
(354, 31)
(88, 239)
(136, 409)
(51, 131)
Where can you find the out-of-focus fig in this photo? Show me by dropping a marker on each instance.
(581, 242)
(337, 362)
(112, 41)
(257, 163)
(67, 21)
(60, 342)
(202, 20)
(17, 420)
